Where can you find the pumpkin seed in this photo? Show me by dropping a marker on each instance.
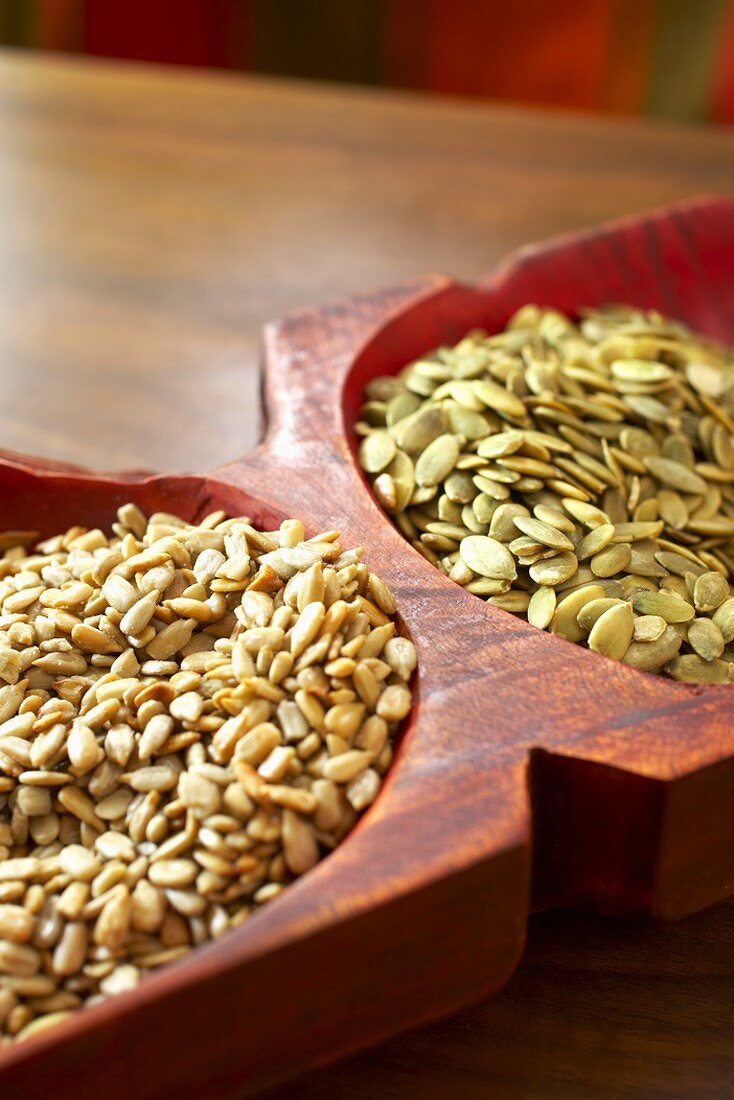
(594, 609)
(724, 619)
(402, 473)
(376, 451)
(668, 606)
(705, 637)
(488, 557)
(652, 656)
(710, 591)
(565, 620)
(612, 632)
(672, 508)
(501, 444)
(564, 471)
(674, 474)
(641, 370)
(614, 559)
(595, 541)
(498, 398)
(692, 669)
(437, 460)
(542, 607)
(648, 628)
(502, 525)
(554, 571)
(543, 533)
(515, 601)
(415, 432)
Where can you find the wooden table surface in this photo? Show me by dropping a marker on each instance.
(152, 221)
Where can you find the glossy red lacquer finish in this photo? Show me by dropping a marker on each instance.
(532, 772)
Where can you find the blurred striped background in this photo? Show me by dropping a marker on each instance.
(669, 58)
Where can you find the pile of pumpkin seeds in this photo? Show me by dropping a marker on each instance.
(191, 716)
(578, 474)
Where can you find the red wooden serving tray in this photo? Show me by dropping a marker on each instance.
(532, 773)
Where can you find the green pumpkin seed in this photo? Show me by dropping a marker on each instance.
(502, 525)
(594, 609)
(499, 399)
(612, 632)
(485, 508)
(488, 557)
(585, 513)
(565, 620)
(402, 473)
(705, 637)
(543, 532)
(674, 474)
(401, 405)
(672, 508)
(460, 488)
(466, 422)
(501, 444)
(376, 451)
(471, 521)
(386, 492)
(595, 541)
(724, 619)
(554, 571)
(514, 601)
(413, 433)
(614, 559)
(542, 607)
(648, 628)
(488, 586)
(652, 656)
(710, 591)
(437, 461)
(555, 518)
(635, 532)
(669, 607)
(692, 669)
(608, 497)
(641, 370)
(494, 489)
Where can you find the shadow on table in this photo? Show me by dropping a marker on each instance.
(597, 1009)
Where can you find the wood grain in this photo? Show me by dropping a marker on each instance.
(597, 1009)
(98, 262)
(154, 221)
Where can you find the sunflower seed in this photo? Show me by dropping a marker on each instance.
(154, 797)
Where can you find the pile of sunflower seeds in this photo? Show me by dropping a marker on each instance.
(190, 717)
(580, 475)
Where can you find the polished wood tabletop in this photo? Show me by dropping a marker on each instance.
(152, 222)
